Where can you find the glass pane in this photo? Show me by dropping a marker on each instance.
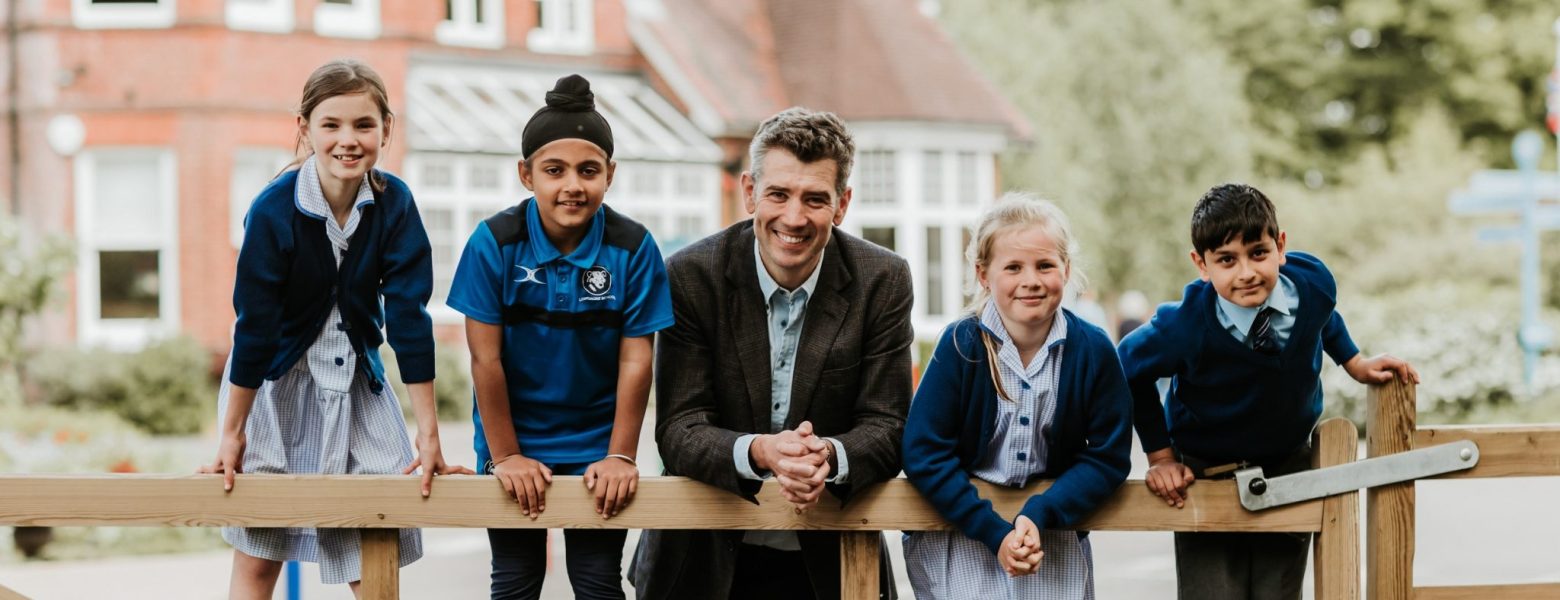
(967, 279)
(347, 2)
(128, 285)
(125, 205)
(882, 236)
(449, 10)
(441, 237)
(934, 271)
(877, 177)
(437, 174)
(124, 1)
(966, 178)
(484, 177)
(931, 178)
(477, 6)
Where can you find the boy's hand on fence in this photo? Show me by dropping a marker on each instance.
(1020, 552)
(526, 481)
(614, 482)
(431, 458)
(230, 459)
(1168, 478)
(1380, 369)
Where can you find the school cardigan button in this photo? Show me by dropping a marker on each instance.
(340, 361)
(1023, 420)
(1023, 456)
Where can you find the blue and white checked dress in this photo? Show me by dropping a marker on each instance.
(948, 565)
(322, 417)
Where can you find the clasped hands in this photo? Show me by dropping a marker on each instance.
(799, 460)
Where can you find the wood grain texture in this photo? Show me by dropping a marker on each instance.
(476, 501)
(1390, 509)
(859, 565)
(1337, 558)
(381, 564)
(1525, 591)
(1504, 450)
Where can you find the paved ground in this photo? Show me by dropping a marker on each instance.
(1485, 531)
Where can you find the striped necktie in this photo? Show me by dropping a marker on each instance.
(1260, 336)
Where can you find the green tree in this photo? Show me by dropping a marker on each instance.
(1137, 112)
(1329, 78)
(28, 274)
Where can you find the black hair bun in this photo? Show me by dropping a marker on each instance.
(572, 94)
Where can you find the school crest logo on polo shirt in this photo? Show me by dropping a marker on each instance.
(596, 280)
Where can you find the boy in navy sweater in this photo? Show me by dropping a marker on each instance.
(1243, 351)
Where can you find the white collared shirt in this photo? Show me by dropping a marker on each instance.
(1237, 319)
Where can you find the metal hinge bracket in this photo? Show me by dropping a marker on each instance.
(1258, 492)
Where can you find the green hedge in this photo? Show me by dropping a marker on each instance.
(166, 388)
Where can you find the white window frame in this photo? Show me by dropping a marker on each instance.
(84, 14)
(266, 16)
(550, 38)
(461, 199)
(125, 334)
(462, 28)
(359, 20)
(240, 197)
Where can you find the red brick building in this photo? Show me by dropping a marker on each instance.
(142, 128)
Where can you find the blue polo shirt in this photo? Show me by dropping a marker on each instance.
(563, 318)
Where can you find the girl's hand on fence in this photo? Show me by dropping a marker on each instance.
(230, 459)
(614, 482)
(431, 458)
(526, 481)
(1169, 479)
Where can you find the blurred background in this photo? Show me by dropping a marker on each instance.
(136, 133)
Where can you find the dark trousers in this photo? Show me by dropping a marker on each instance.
(1240, 566)
(1243, 566)
(764, 573)
(594, 558)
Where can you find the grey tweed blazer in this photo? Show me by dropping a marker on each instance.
(712, 383)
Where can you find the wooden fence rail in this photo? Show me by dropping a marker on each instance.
(377, 503)
(1504, 451)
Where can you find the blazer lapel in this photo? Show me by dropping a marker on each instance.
(749, 327)
(826, 311)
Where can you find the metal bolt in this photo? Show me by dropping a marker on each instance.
(1258, 486)
(1466, 454)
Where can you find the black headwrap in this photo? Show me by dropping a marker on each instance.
(570, 113)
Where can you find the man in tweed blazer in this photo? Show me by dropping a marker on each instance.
(789, 360)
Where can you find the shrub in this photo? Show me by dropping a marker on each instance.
(451, 383)
(164, 389)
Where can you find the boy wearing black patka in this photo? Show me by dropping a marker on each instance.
(1243, 351)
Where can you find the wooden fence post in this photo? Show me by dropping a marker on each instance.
(1389, 509)
(859, 555)
(381, 564)
(1337, 562)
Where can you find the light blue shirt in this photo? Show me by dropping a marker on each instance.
(787, 309)
(1237, 319)
(1018, 448)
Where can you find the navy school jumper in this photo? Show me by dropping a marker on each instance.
(287, 280)
(952, 418)
(1228, 402)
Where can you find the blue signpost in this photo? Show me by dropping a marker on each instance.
(1530, 195)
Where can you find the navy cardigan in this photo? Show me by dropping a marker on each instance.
(288, 280)
(1228, 402)
(954, 412)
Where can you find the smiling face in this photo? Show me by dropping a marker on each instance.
(570, 178)
(795, 208)
(1026, 276)
(1243, 272)
(346, 133)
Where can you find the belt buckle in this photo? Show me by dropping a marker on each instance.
(1217, 470)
